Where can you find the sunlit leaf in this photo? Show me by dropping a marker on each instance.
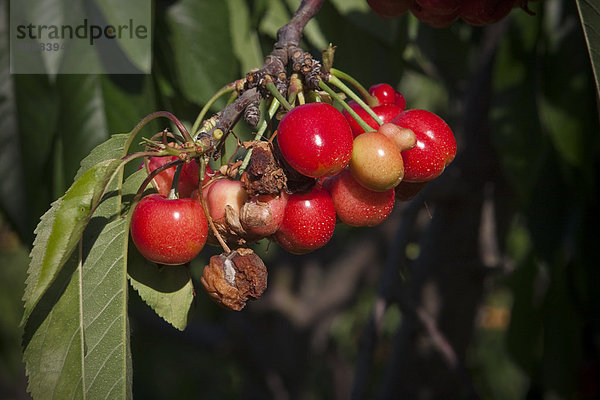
(61, 228)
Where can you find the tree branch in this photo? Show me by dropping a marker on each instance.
(274, 69)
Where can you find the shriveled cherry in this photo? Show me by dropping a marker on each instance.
(308, 221)
(168, 231)
(315, 139)
(356, 205)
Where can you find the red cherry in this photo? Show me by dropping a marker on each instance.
(389, 8)
(188, 179)
(356, 205)
(435, 148)
(168, 231)
(485, 12)
(387, 95)
(308, 221)
(315, 139)
(386, 112)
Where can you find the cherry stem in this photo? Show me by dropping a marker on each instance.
(184, 132)
(203, 162)
(153, 174)
(174, 192)
(259, 134)
(370, 99)
(224, 90)
(278, 96)
(339, 99)
(340, 85)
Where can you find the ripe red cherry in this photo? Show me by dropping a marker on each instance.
(315, 139)
(308, 221)
(188, 179)
(435, 148)
(389, 8)
(386, 94)
(406, 191)
(356, 205)
(170, 232)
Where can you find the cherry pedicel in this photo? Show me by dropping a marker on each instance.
(315, 139)
(435, 148)
(169, 231)
(308, 221)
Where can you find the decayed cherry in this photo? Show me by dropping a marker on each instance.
(356, 205)
(223, 193)
(262, 215)
(435, 148)
(315, 139)
(166, 231)
(308, 221)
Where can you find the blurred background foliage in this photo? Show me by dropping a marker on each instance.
(522, 100)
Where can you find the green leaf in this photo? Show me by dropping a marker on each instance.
(82, 123)
(80, 324)
(589, 13)
(104, 291)
(245, 40)
(168, 290)
(119, 13)
(53, 339)
(61, 228)
(12, 192)
(202, 62)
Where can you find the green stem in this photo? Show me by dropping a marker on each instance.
(224, 90)
(259, 134)
(271, 87)
(371, 100)
(340, 85)
(339, 99)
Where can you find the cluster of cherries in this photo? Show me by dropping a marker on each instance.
(357, 175)
(441, 13)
